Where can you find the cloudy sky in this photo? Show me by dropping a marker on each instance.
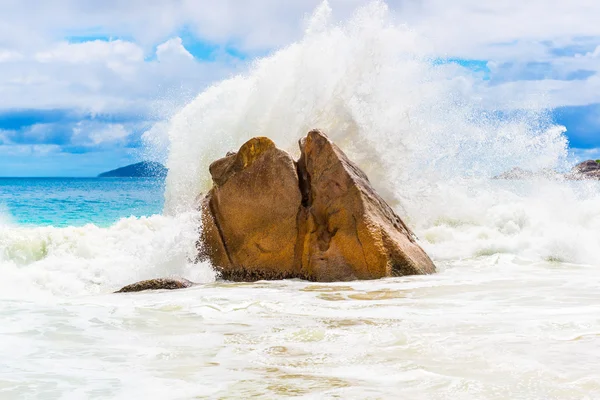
(82, 80)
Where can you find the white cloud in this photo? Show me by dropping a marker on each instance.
(29, 149)
(40, 69)
(5, 135)
(172, 49)
(106, 76)
(92, 51)
(469, 27)
(453, 26)
(595, 53)
(586, 154)
(545, 93)
(9, 55)
(107, 134)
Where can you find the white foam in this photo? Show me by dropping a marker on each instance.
(88, 259)
(425, 132)
(534, 220)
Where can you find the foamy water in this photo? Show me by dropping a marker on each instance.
(512, 313)
(494, 327)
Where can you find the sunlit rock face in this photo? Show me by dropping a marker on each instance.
(318, 218)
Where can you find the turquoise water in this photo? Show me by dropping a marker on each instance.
(78, 201)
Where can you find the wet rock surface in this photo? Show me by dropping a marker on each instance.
(249, 217)
(157, 284)
(270, 217)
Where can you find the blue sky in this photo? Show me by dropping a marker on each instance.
(82, 81)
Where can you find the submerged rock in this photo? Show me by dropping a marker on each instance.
(157, 284)
(319, 219)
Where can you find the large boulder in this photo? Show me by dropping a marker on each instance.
(319, 219)
(249, 216)
(349, 232)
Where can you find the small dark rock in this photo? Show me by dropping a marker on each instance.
(157, 284)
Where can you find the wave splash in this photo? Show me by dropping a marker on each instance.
(38, 261)
(372, 85)
(426, 132)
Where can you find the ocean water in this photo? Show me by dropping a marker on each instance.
(513, 312)
(78, 201)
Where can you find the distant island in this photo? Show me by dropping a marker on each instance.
(144, 169)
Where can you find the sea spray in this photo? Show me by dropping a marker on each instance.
(373, 85)
(425, 129)
(89, 259)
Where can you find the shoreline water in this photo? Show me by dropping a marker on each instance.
(489, 329)
(511, 312)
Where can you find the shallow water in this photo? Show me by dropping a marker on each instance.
(512, 313)
(492, 328)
